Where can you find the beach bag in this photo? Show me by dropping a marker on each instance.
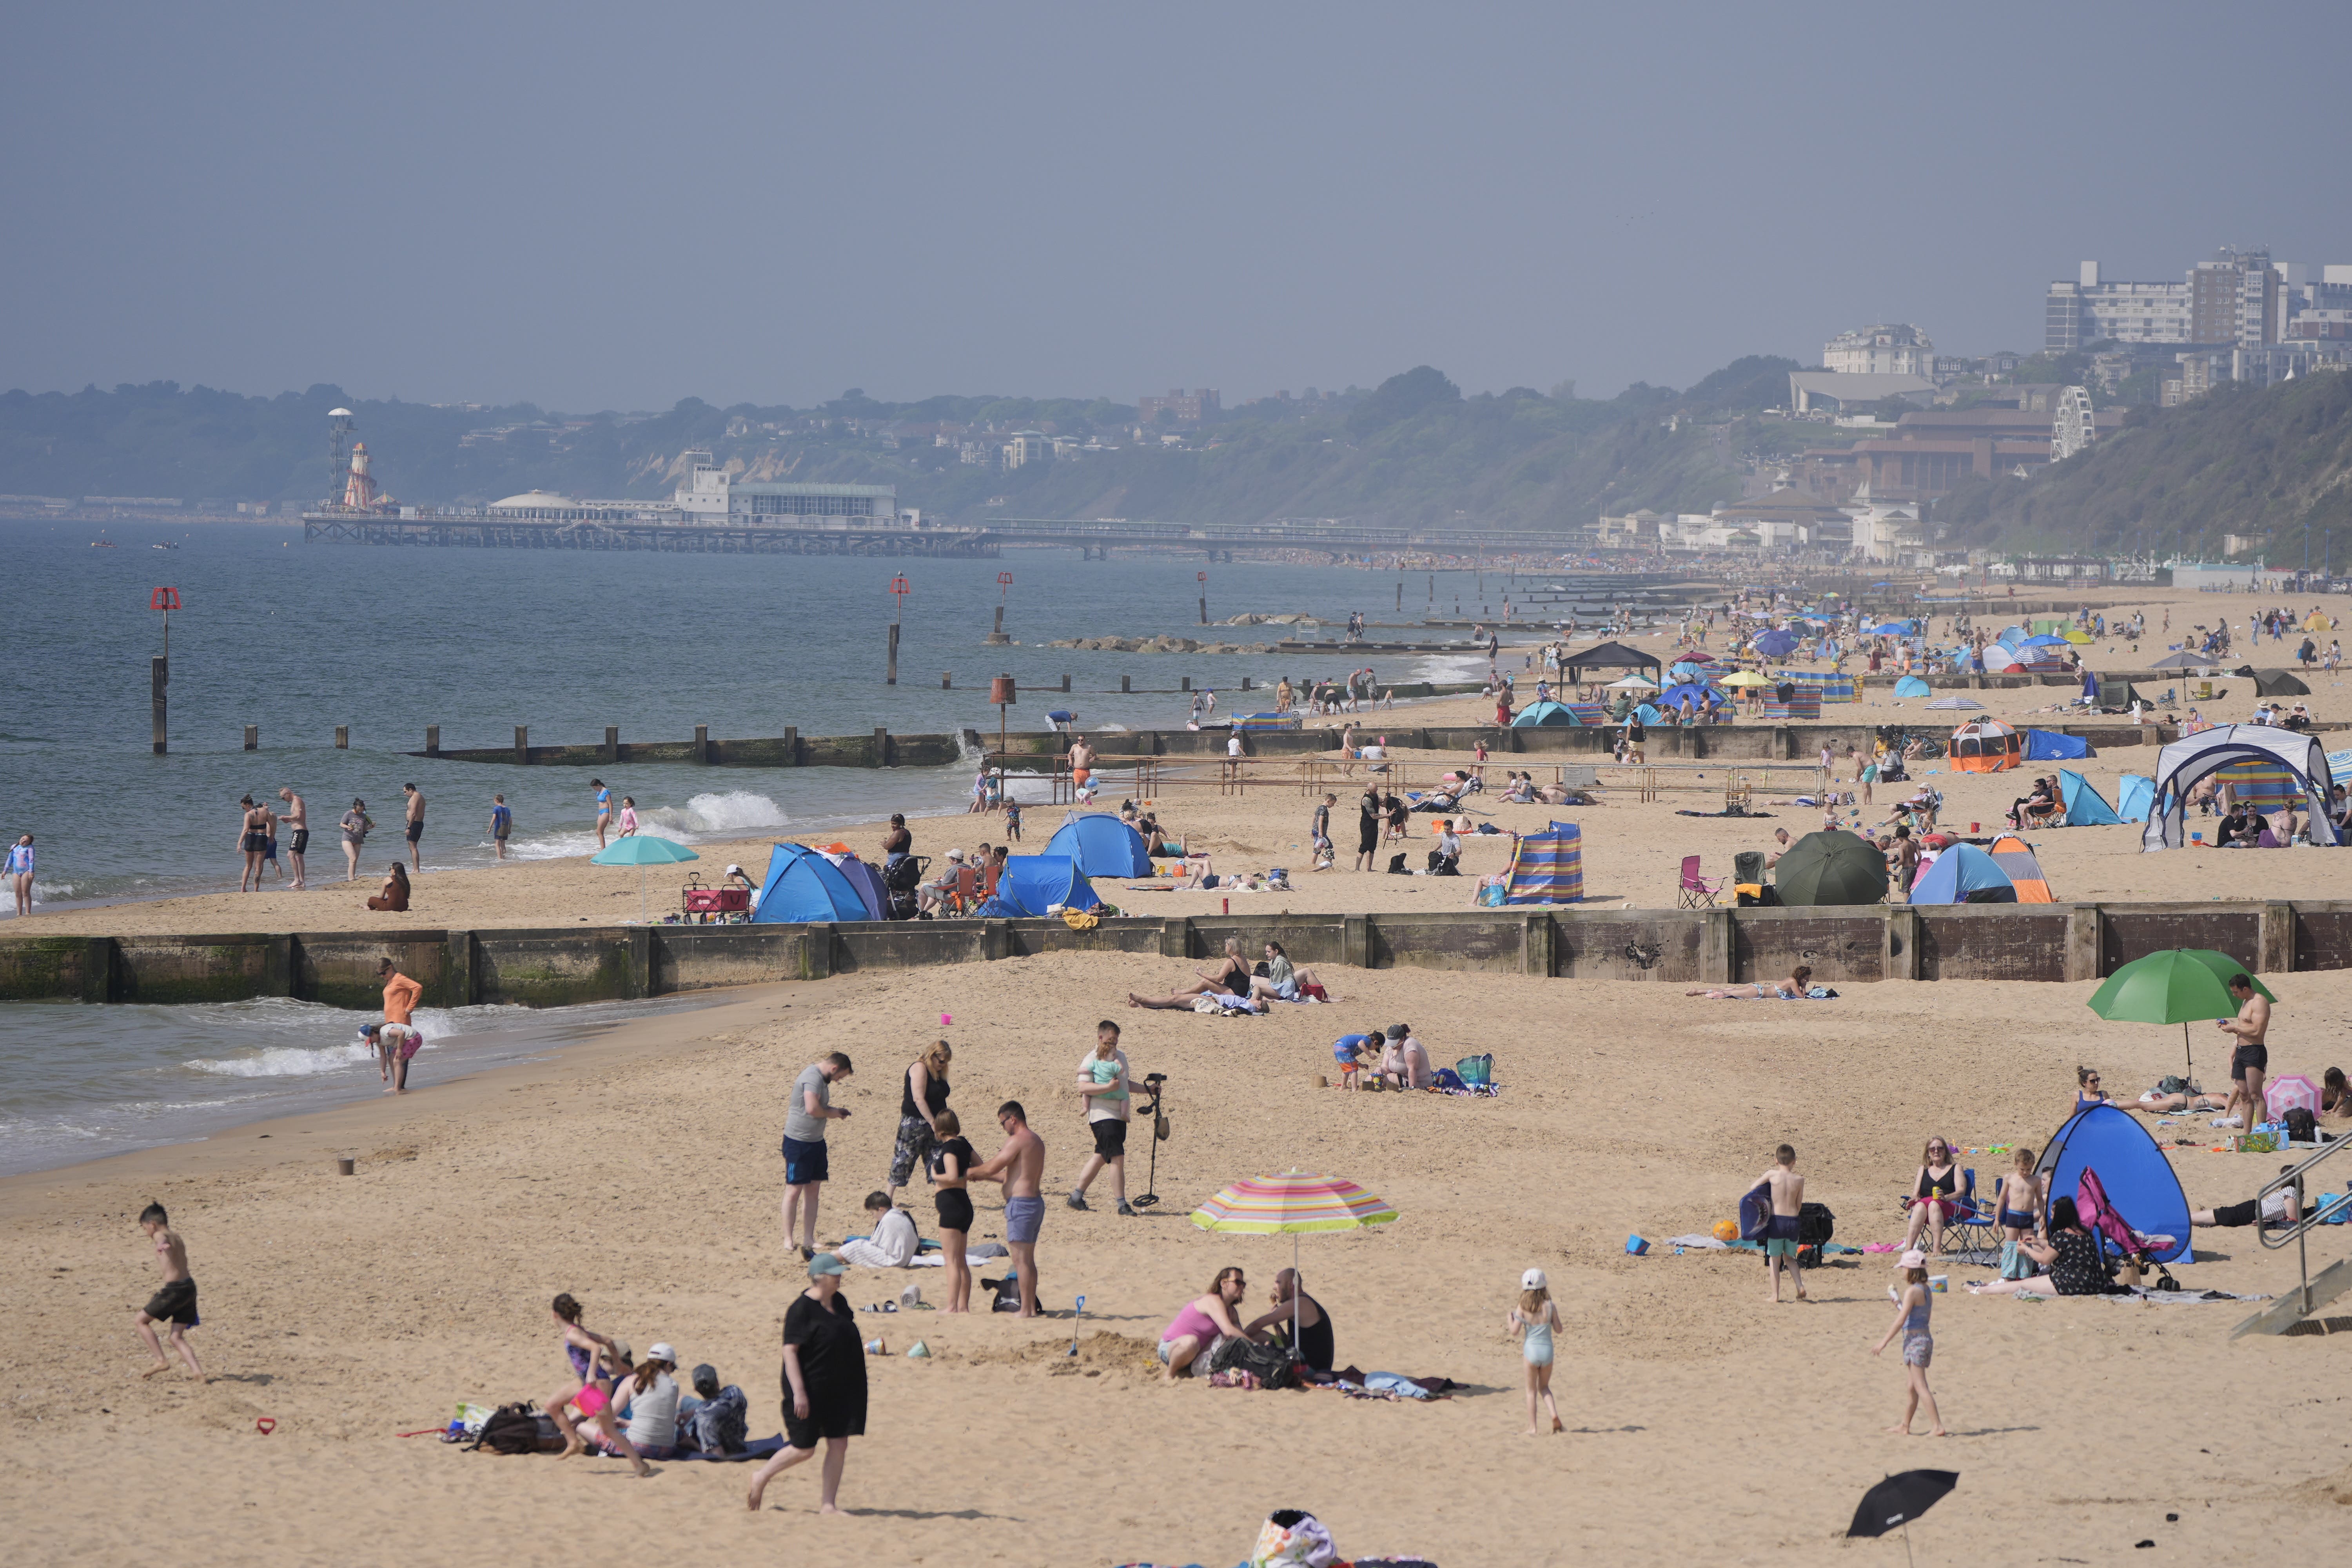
(1476, 1072)
(1292, 1540)
(2302, 1127)
(1270, 1364)
(1008, 1293)
(1490, 895)
(517, 1429)
(1396, 865)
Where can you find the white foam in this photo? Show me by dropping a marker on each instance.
(722, 814)
(285, 1061)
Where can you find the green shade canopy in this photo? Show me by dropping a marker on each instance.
(1830, 867)
(2179, 985)
(638, 850)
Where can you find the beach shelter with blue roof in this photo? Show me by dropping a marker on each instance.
(2139, 1181)
(1536, 715)
(2134, 795)
(2085, 806)
(1036, 884)
(1912, 686)
(1548, 867)
(2251, 757)
(1101, 845)
(1964, 874)
(2049, 746)
(803, 885)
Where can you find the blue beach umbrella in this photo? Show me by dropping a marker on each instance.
(641, 850)
(1777, 644)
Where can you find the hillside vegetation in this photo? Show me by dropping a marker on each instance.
(2272, 464)
(1413, 449)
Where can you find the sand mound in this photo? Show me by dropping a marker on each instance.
(1098, 1352)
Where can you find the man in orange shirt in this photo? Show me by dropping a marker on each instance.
(395, 1047)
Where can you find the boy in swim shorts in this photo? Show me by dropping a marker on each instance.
(1356, 1052)
(175, 1301)
(1788, 1193)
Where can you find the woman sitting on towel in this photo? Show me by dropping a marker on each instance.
(1206, 1321)
(893, 1244)
(1280, 980)
(1793, 989)
(2069, 1262)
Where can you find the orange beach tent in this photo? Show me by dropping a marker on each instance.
(1985, 746)
(2015, 858)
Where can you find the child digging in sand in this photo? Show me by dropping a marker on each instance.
(1911, 1308)
(176, 1303)
(1535, 1317)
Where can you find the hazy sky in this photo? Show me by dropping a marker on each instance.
(604, 205)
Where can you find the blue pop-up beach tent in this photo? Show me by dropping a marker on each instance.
(1551, 715)
(2085, 806)
(1035, 884)
(868, 883)
(803, 885)
(2139, 1181)
(2134, 796)
(2049, 746)
(1964, 874)
(1912, 686)
(1101, 845)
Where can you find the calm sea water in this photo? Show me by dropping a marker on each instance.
(298, 638)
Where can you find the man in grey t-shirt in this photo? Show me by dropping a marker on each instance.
(810, 1108)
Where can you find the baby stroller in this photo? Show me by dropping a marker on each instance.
(899, 880)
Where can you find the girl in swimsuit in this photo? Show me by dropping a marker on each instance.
(1534, 1319)
(1911, 1318)
(950, 1158)
(2087, 1092)
(587, 1393)
(2019, 1196)
(1932, 1194)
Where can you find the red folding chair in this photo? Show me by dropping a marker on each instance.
(1697, 892)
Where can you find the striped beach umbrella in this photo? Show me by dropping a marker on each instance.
(1293, 1204)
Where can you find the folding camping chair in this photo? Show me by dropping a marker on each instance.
(964, 895)
(1971, 1237)
(1697, 891)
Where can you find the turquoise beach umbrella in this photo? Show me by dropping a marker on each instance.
(642, 850)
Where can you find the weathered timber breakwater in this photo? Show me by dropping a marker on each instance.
(563, 967)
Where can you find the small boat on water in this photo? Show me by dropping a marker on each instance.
(101, 545)
(163, 547)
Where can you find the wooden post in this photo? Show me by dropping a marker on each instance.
(612, 743)
(159, 676)
(431, 739)
(946, 680)
(881, 747)
(1899, 951)
(343, 737)
(791, 745)
(2085, 942)
(702, 744)
(1719, 948)
(1126, 683)
(2274, 939)
(892, 678)
(1186, 683)
(1065, 682)
(817, 950)
(253, 737)
(523, 744)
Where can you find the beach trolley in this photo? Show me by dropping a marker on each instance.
(713, 906)
(1985, 746)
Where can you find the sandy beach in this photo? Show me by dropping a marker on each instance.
(639, 1172)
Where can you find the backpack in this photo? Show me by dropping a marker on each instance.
(1008, 1293)
(1396, 865)
(2302, 1127)
(1271, 1365)
(516, 1429)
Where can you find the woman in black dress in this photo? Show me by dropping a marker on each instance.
(952, 1158)
(1368, 827)
(824, 1381)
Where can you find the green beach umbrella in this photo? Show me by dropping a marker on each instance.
(642, 850)
(2179, 985)
(1830, 867)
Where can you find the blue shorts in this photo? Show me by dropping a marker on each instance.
(805, 1162)
(1024, 1218)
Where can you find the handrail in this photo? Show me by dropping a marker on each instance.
(2311, 1217)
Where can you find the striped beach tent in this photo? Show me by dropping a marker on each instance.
(1547, 868)
(2015, 856)
(1831, 686)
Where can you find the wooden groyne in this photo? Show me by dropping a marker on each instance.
(562, 967)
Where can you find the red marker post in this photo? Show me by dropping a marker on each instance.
(159, 667)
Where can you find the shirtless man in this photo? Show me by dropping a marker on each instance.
(2251, 1061)
(252, 840)
(1780, 1231)
(296, 817)
(1020, 1165)
(415, 823)
(1082, 763)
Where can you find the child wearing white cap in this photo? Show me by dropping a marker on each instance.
(1533, 1320)
(1912, 1305)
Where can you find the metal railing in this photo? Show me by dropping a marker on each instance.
(2296, 1232)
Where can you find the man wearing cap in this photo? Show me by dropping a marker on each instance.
(932, 894)
(805, 1170)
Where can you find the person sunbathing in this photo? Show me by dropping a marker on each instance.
(1793, 989)
(2281, 1208)
(2162, 1102)
(1232, 985)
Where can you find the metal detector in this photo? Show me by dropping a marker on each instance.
(1159, 1136)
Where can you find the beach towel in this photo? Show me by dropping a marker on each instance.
(765, 1449)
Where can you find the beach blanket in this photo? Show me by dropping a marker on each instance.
(764, 1448)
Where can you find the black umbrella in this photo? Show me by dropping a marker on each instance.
(1895, 1502)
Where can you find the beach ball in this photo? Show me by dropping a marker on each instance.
(1726, 1230)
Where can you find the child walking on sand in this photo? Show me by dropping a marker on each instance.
(1534, 1318)
(176, 1302)
(1781, 1230)
(1911, 1310)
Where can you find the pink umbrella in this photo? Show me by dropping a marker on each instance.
(2283, 1093)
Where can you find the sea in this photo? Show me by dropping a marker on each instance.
(298, 638)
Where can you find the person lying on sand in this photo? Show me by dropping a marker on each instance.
(1183, 1000)
(1793, 989)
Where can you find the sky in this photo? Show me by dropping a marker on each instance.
(594, 205)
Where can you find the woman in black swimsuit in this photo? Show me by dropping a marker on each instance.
(950, 1157)
(1368, 828)
(1940, 1181)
